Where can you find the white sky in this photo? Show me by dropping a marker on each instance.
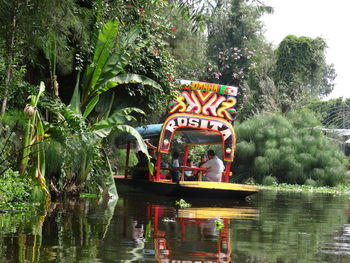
(329, 19)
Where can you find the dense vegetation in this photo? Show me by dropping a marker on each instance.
(287, 149)
(94, 69)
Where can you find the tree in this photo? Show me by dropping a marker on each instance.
(188, 46)
(301, 72)
(37, 47)
(10, 40)
(235, 41)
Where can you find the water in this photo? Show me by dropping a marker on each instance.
(269, 227)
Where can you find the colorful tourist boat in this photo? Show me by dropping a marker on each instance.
(202, 114)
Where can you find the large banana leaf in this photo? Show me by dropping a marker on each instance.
(115, 81)
(133, 78)
(128, 129)
(105, 44)
(120, 56)
(91, 105)
(140, 141)
(125, 79)
(120, 117)
(132, 131)
(75, 100)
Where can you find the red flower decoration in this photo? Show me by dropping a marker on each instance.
(156, 51)
(174, 29)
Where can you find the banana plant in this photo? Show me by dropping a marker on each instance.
(112, 54)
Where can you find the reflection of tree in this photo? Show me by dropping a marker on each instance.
(21, 236)
(290, 228)
(71, 232)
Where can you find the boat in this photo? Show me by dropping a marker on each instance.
(202, 114)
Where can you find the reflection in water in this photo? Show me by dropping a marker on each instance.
(162, 233)
(270, 228)
(339, 244)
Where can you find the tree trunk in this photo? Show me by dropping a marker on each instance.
(6, 89)
(11, 52)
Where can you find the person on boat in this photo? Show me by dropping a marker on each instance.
(175, 174)
(204, 159)
(195, 174)
(214, 167)
(189, 174)
(141, 168)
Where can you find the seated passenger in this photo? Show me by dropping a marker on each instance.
(204, 159)
(189, 174)
(141, 168)
(175, 174)
(214, 167)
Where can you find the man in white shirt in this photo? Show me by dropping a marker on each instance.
(215, 168)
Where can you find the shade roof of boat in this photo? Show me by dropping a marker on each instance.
(188, 135)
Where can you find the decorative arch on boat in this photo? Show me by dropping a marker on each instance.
(188, 121)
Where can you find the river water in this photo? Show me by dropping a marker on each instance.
(269, 227)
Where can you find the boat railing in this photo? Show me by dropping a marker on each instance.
(166, 176)
(182, 169)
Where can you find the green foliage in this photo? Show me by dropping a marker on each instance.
(188, 47)
(10, 128)
(78, 130)
(289, 149)
(182, 204)
(219, 223)
(269, 180)
(301, 70)
(72, 151)
(15, 191)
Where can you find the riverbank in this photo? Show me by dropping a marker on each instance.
(343, 189)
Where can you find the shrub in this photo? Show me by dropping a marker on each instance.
(269, 180)
(288, 148)
(310, 182)
(14, 188)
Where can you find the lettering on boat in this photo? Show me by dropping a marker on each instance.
(217, 126)
(204, 86)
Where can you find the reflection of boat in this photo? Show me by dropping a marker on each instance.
(183, 235)
(218, 212)
(201, 114)
(210, 244)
